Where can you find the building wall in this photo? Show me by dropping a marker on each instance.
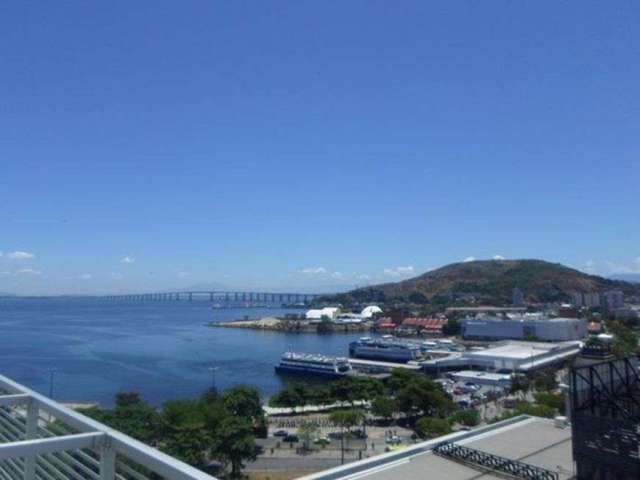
(543, 329)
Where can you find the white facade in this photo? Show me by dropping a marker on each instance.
(519, 328)
(507, 356)
(370, 311)
(317, 314)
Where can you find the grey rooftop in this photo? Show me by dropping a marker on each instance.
(41, 439)
(531, 440)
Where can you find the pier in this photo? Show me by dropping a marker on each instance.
(223, 299)
(377, 366)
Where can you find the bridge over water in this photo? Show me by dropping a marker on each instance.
(222, 298)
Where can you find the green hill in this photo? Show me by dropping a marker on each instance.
(489, 282)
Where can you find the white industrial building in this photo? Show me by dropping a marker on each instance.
(523, 327)
(505, 357)
(317, 314)
(483, 378)
(370, 311)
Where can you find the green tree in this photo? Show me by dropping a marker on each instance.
(401, 377)
(625, 340)
(430, 427)
(243, 401)
(132, 416)
(234, 444)
(346, 420)
(422, 396)
(468, 418)
(551, 400)
(452, 327)
(418, 297)
(185, 435)
(534, 409)
(384, 407)
(307, 431)
(545, 379)
(342, 390)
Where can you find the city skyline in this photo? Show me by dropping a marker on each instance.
(157, 146)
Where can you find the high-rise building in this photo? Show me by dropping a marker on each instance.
(586, 299)
(613, 299)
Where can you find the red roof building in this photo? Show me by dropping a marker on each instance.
(385, 324)
(428, 325)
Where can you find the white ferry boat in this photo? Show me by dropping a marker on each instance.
(313, 364)
(385, 348)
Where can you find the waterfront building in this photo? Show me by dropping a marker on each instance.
(429, 326)
(318, 314)
(505, 357)
(385, 324)
(523, 327)
(370, 311)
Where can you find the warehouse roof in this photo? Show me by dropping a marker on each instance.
(521, 350)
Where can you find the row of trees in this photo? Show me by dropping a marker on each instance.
(214, 427)
(405, 393)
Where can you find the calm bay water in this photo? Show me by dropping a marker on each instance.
(161, 350)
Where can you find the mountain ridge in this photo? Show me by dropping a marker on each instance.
(490, 282)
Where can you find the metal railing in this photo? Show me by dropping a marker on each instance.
(492, 462)
(43, 440)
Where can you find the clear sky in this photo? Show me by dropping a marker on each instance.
(159, 144)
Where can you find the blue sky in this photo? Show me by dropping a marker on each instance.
(156, 144)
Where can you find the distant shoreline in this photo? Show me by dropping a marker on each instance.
(275, 324)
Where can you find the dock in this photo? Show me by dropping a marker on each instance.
(376, 366)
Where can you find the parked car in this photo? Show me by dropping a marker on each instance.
(291, 439)
(324, 441)
(280, 433)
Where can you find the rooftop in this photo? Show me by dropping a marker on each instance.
(531, 440)
(520, 350)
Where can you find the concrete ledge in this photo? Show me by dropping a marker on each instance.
(388, 458)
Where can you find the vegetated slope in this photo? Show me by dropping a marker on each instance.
(489, 282)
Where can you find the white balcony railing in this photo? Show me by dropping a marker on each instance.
(41, 439)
